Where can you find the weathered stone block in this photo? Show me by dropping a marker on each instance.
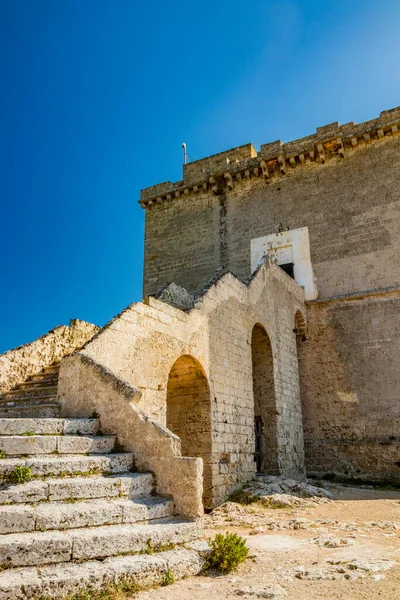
(137, 484)
(80, 445)
(83, 487)
(81, 426)
(70, 464)
(33, 491)
(28, 444)
(17, 518)
(113, 540)
(18, 549)
(38, 426)
(18, 584)
(80, 514)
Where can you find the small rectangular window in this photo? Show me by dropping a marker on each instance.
(286, 249)
(289, 269)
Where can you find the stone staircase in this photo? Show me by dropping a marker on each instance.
(74, 515)
(35, 397)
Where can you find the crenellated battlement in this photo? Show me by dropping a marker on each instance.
(274, 159)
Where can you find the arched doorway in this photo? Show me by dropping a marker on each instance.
(189, 415)
(265, 415)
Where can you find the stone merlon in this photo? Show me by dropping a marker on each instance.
(273, 159)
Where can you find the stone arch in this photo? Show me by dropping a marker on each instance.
(265, 413)
(189, 414)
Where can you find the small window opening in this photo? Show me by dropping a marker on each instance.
(289, 269)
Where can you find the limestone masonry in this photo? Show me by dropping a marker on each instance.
(341, 188)
(268, 341)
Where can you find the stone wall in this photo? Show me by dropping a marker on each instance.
(351, 208)
(349, 370)
(343, 184)
(146, 346)
(345, 189)
(20, 363)
(189, 261)
(233, 310)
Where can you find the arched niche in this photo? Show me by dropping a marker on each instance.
(189, 414)
(265, 414)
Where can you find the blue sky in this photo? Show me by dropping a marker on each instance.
(96, 97)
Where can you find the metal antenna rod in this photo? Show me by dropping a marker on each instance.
(185, 156)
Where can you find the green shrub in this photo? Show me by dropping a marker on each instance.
(19, 475)
(169, 578)
(227, 552)
(242, 496)
(151, 548)
(3, 454)
(28, 433)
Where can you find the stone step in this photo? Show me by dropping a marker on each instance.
(39, 383)
(69, 464)
(40, 377)
(40, 380)
(26, 402)
(68, 579)
(43, 392)
(14, 410)
(64, 444)
(20, 426)
(19, 518)
(44, 375)
(51, 368)
(129, 485)
(33, 389)
(49, 547)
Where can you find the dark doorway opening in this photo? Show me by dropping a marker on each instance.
(288, 268)
(189, 415)
(265, 415)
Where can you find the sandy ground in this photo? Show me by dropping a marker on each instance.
(344, 549)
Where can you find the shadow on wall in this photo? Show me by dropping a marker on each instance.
(265, 415)
(189, 415)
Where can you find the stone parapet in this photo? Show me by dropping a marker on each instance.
(85, 385)
(275, 159)
(20, 363)
(200, 169)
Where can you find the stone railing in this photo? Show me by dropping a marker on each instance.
(20, 363)
(86, 387)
